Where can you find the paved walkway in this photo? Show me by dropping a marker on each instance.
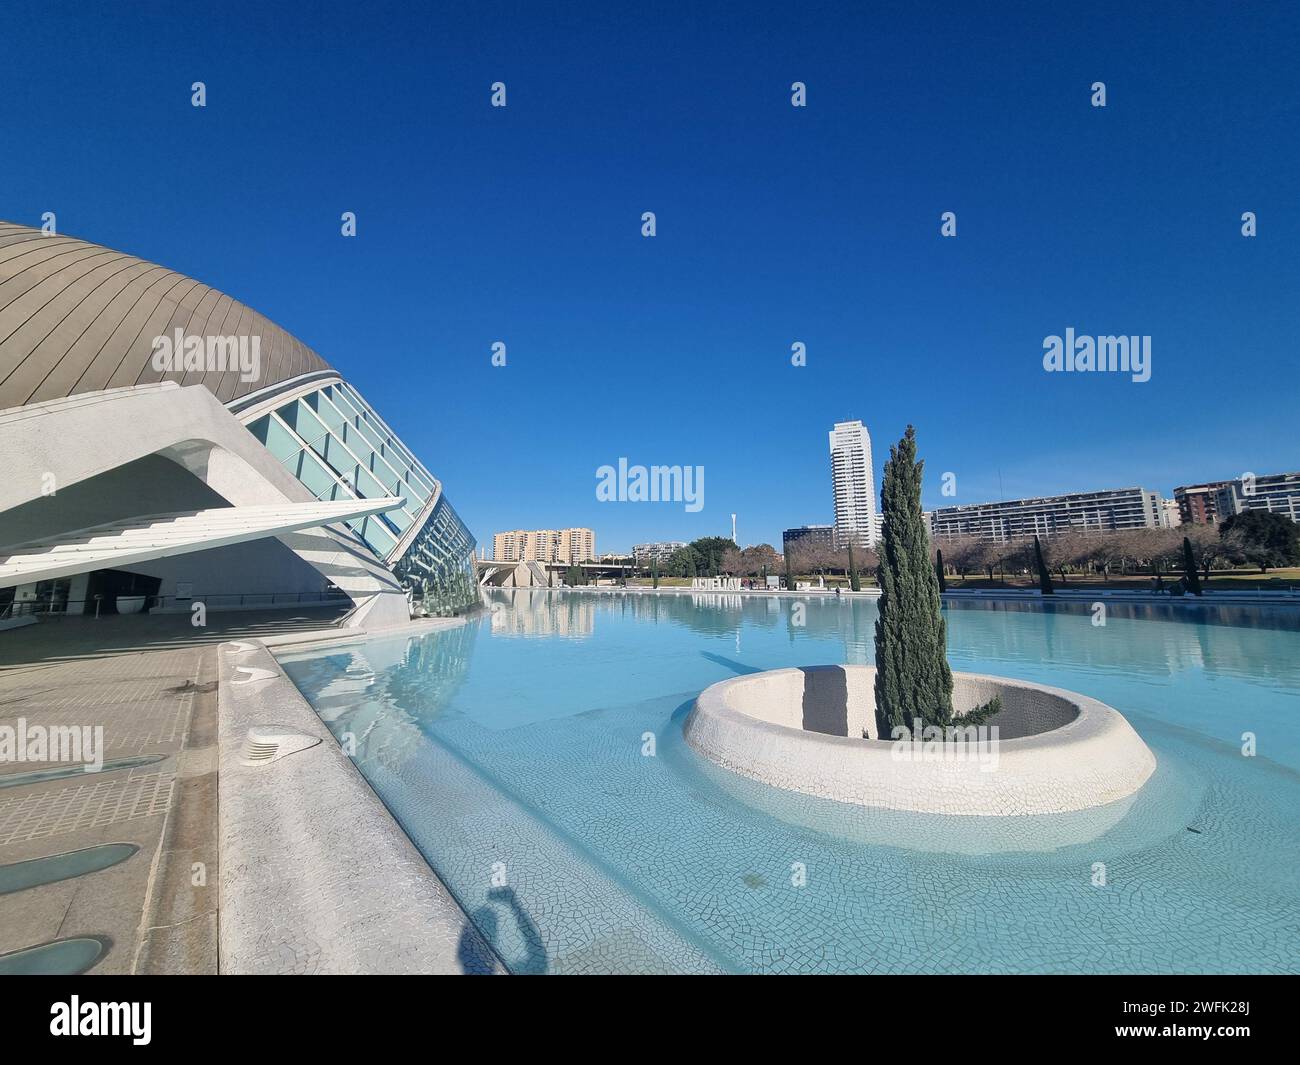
(149, 681)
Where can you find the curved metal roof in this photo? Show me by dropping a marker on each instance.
(78, 317)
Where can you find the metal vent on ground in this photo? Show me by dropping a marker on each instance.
(265, 744)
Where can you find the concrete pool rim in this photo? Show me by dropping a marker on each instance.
(317, 876)
(1060, 752)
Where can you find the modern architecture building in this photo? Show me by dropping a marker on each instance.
(1119, 508)
(167, 445)
(1170, 518)
(1275, 492)
(544, 545)
(1202, 504)
(808, 536)
(854, 484)
(659, 551)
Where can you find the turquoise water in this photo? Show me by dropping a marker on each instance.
(535, 757)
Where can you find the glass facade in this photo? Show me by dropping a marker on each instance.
(335, 444)
(438, 566)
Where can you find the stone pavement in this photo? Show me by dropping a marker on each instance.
(149, 681)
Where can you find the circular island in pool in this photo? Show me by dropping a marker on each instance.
(813, 730)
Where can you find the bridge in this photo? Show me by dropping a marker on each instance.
(541, 574)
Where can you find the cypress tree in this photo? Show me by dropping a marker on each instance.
(912, 675)
(913, 679)
(789, 574)
(1044, 578)
(1189, 568)
(853, 571)
(654, 572)
(938, 571)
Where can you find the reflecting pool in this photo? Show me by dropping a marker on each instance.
(534, 755)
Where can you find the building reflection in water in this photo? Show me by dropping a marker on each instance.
(1236, 641)
(384, 692)
(541, 612)
(375, 696)
(1230, 640)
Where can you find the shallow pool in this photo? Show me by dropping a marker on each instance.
(535, 757)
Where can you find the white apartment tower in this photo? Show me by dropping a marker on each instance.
(855, 488)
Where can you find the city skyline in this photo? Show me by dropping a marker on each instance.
(530, 236)
(1160, 506)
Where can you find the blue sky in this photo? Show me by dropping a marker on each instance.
(775, 224)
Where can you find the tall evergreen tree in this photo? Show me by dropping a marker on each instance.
(913, 679)
(854, 585)
(1044, 578)
(789, 573)
(938, 571)
(1190, 575)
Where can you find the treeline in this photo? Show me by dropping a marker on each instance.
(718, 556)
(1257, 539)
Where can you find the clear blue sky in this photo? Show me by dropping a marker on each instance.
(775, 224)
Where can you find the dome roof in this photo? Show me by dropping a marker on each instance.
(78, 317)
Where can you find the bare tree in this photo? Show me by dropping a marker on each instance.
(1207, 545)
(963, 554)
(760, 558)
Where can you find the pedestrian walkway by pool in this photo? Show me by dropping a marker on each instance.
(116, 871)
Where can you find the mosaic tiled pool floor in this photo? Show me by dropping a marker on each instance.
(516, 751)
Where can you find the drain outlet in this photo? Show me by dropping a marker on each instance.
(265, 744)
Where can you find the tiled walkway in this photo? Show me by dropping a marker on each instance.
(148, 682)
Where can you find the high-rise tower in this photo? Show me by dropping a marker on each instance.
(854, 484)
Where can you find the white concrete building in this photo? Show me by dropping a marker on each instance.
(1278, 493)
(166, 445)
(660, 551)
(1013, 519)
(854, 484)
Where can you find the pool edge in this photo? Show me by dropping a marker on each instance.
(316, 875)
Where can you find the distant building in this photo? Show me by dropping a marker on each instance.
(1198, 504)
(1108, 511)
(1170, 518)
(806, 536)
(1275, 492)
(853, 483)
(659, 551)
(544, 545)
